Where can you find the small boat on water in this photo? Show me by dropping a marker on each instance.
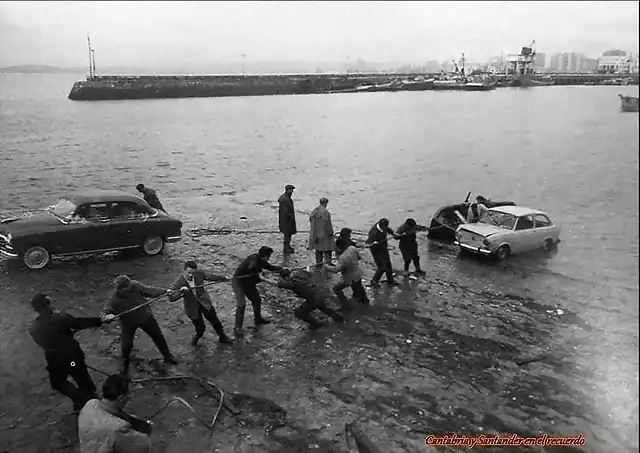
(417, 85)
(629, 103)
(448, 85)
(447, 219)
(479, 86)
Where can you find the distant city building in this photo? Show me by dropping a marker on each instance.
(615, 61)
(540, 61)
(614, 53)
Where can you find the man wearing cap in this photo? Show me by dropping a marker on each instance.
(150, 196)
(197, 303)
(127, 295)
(244, 282)
(53, 332)
(380, 252)
(321, 232)
(287, 217)
(303, 285)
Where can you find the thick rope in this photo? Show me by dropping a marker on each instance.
(157, 298)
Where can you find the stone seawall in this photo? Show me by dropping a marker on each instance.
(113, 87)
(150, 87)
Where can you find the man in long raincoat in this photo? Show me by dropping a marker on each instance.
(287, 217)
(321, 232)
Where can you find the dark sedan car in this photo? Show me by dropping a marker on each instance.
(92, 221)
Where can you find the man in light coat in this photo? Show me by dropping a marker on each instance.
(321, 232)
(287, 217)
(197, 303)
(104, 427)
(348, 266)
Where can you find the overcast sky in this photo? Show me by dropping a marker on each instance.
(148, 33)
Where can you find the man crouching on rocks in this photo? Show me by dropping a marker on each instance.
(103, 426)
(127, 295)
(348, 265)
(197, 303)
(303, 285)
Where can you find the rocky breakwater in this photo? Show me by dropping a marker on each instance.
(155, 87)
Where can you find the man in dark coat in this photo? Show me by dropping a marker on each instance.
(409, 245)
(287, 217)
(127, 295)
(53, 332)
(303, 285)
(197, 302)
(151, 197)
(380, 252)
(244, 282)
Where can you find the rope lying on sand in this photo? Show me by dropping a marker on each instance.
(224, 231)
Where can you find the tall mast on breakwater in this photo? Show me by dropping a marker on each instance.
(92, 59)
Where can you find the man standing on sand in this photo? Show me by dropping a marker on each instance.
(197, 302)
(287, 217)
(244, 282)
(321, 232)
(151, 197)
(53, 332)
(349, 267)
(409, 245)
(129, 294)
(104, 427)
(380, 252)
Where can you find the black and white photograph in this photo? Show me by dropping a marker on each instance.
(319, 226)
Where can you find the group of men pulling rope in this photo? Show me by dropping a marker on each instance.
(102, 422)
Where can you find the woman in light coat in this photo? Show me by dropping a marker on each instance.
(321, 232)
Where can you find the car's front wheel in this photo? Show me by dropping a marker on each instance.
(152, 245)
(503, 252)
(36, 257)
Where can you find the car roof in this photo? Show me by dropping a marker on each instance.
(99, 196)
(517, 211)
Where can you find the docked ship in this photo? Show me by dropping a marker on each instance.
(522, 67)
(629, 103)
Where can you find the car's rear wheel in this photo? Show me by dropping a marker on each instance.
(152, 245)
(36, 257)
(503, 252)
(549, 245)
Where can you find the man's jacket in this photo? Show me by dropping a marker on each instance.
(197, 293)
(100, 430)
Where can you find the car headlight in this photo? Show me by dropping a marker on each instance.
(486, 242)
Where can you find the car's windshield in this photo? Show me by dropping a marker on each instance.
(63, 208)
(497, 218)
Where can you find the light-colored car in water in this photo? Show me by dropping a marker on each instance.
(506, 230)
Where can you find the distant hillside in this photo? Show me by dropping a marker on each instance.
(34, 69)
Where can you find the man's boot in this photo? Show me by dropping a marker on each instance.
(416, 263)
(196, 337)
(237, 330)
(124, 369)
(344, 302)
(225, 339)
(258, 319)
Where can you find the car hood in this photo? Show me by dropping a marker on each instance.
(18, 226)
(482, 229)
